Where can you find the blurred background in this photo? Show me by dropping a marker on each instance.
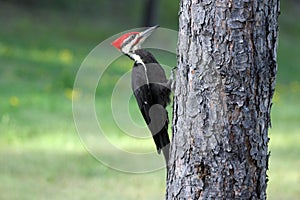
(42, 45)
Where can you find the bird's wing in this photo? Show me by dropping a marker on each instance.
(144, 99)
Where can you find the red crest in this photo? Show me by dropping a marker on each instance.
(118, 42)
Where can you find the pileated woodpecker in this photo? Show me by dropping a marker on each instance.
(150, 86)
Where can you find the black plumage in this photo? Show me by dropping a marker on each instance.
(150, 87)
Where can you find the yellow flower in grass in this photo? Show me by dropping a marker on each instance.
(14, 101)
(66, 56)
(295, 87)
(276, 97)
(72, 94)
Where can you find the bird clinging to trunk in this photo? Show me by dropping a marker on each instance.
(150, 86)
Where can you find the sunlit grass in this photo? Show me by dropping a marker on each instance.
(49, 55)
(284, 165)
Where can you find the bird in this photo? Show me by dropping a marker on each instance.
(150, 86)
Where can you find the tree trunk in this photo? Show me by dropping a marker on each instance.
(224, 85)
(150, 13)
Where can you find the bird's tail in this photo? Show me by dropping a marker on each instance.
(162, 141)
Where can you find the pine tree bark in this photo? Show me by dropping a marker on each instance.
(224, 85)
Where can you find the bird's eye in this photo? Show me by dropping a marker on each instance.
(132, 37)
(128, 40)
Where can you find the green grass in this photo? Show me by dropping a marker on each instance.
(41, 155)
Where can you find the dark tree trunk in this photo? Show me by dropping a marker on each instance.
(150, 13)
(224, 85)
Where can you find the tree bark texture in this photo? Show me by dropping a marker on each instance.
(224, 85)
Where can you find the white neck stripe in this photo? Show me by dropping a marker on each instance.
(138, 59)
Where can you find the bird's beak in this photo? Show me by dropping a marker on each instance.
(146, 33)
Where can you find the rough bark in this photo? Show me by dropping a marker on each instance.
(224, 85)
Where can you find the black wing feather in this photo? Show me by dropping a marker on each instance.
(152, 98)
